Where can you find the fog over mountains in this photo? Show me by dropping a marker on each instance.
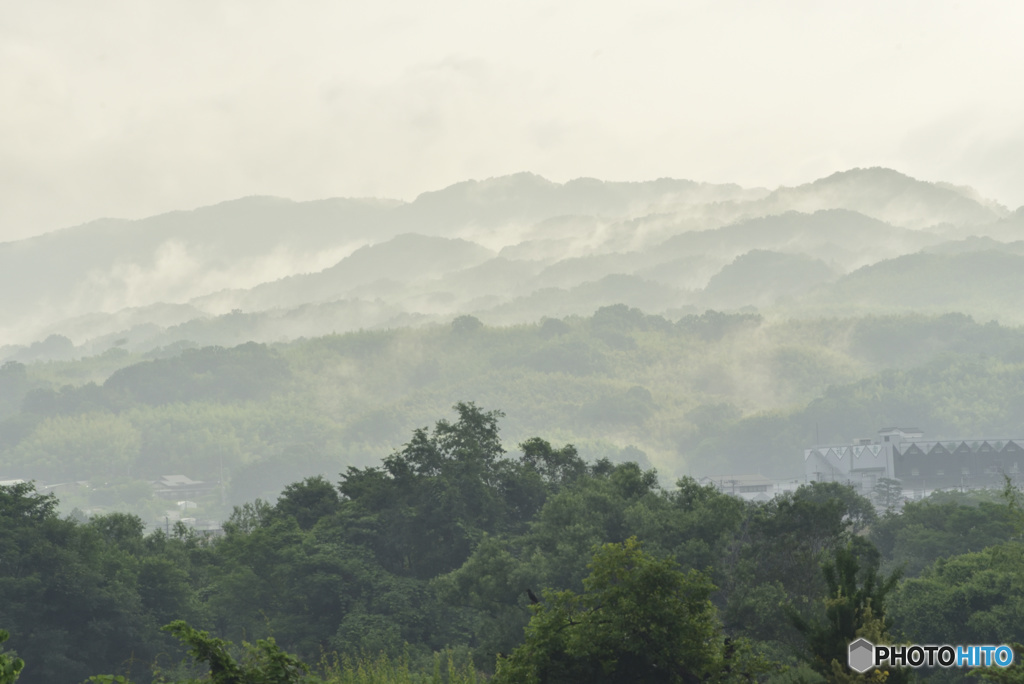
(511, 250)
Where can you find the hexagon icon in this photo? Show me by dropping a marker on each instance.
(861, 657)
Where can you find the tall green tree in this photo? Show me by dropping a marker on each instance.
(855, 606)
(776, 559)
(639, 619)
(429, 504)
(69, 596)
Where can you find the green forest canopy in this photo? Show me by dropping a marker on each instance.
(701, 395)
(450, 540)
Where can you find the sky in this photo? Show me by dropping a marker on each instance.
(131, 108)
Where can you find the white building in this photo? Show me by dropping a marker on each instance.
(903, 454)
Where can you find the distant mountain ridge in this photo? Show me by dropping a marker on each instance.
(487, 247)
(889, 196)
(404, 258)
(986, 283)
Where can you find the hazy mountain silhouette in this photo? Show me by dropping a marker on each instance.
(760, 277)
(886, 195)
(839, 236)
(659, 240)
(976, 244)
(985, 284)
(585, 299)
(526, 197)
(404, 258)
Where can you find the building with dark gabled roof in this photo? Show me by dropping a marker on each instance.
(919, 464)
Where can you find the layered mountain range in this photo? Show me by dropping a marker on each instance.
(509, 250)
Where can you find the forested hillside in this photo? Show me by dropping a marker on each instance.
(228, 450)
(701, 395)
(452, 542)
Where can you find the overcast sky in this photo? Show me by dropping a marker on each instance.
(133, 108)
